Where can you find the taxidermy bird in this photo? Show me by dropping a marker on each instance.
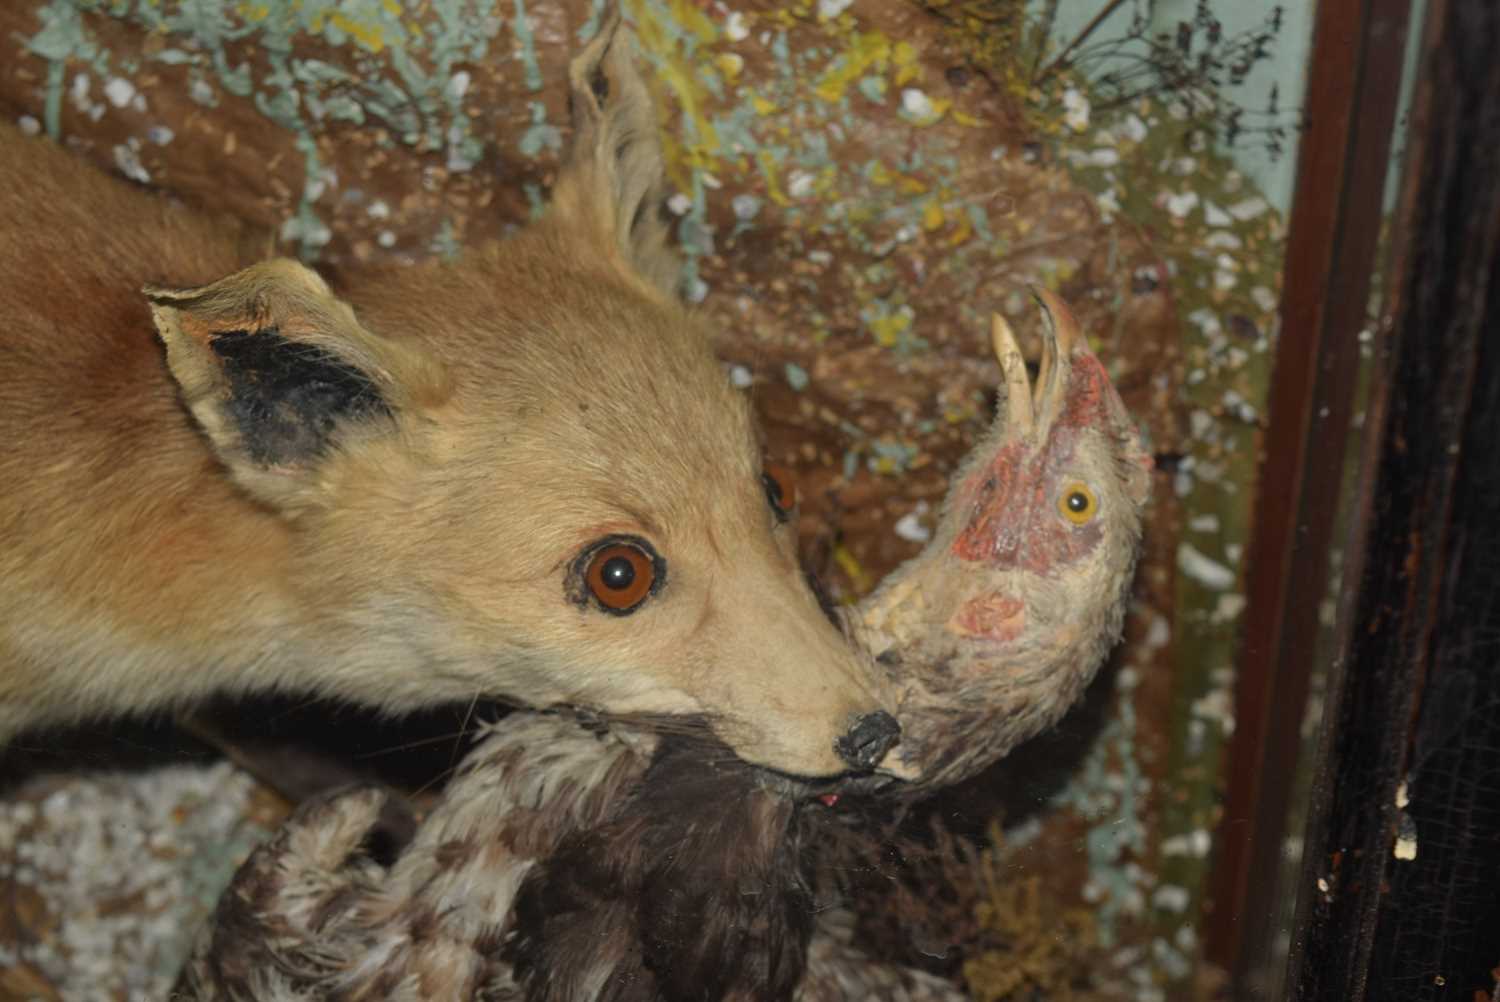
(574, 861)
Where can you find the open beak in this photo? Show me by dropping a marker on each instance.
(1028, 409)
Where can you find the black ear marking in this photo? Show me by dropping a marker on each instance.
(599, 84)
(287, 399)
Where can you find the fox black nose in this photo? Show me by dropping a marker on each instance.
(868, 740)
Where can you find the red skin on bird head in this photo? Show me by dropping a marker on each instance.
(1015, 522)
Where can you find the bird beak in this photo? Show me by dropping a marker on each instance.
(1018, 412)
(1025, 407)
(1061, 337)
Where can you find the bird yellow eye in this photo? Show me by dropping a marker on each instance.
(1077, 504)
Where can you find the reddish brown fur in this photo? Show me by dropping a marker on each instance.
(406, 527)
(96, 439)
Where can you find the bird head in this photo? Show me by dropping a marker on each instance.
(994, 630)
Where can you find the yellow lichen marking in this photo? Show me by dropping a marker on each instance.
(889, 328)
(851, 566)
(371, 36)
(729, 64)
(773, 183)
(907, 67)
(252, 12)
(680, 77)
(870, 49)
(962, 232)
(932, 215)
(689, 16)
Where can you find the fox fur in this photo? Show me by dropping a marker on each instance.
(239, 480)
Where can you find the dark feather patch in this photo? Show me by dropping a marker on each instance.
(696, 889)
(287, 399)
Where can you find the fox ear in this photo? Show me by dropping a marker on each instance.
(279, 374)
(611, 184)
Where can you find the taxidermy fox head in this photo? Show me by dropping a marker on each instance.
(524, 474)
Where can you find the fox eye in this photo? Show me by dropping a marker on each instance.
(1077, 503)
(781, 490)
(620, 573)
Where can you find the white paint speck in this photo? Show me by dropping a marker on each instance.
(916, 103)
(740, 377)
(1159, 634)
(1405, 848)
(386, 239)
(1171, 898)
(1195, 844)
(1134, 129)
(1229, 607)
(1249, 208)
(119, 91)
(1204, 569)
(29, 126)
(79, 92)
(378, 210)
(458, 84)
(1181, 203)
(830, 9)
(745, 206)
(1075, 109)
(128, 161)
(1109, 204)
(1207, 321)
(799, 184)
(680, 204)
(1215, 216)
(909, 526)
(1216, 707)
(161, 135)
(735, 27)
